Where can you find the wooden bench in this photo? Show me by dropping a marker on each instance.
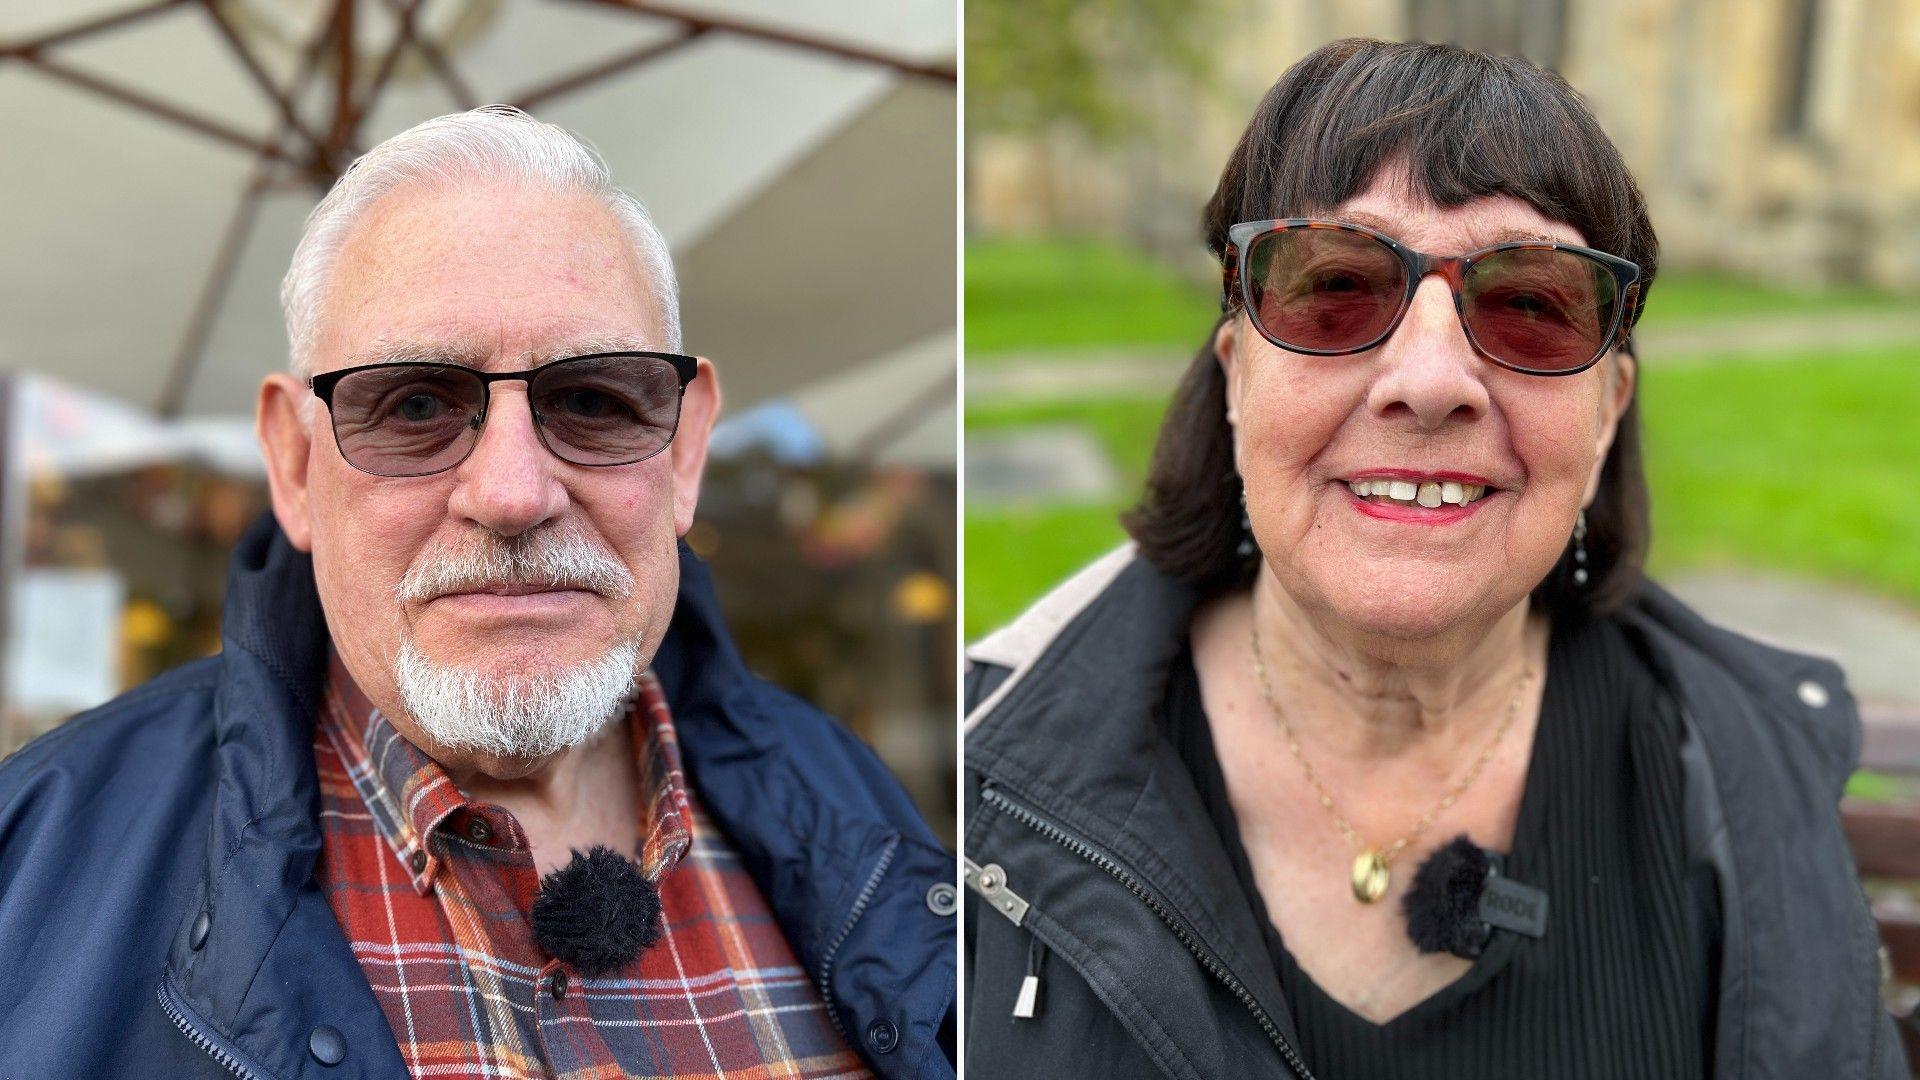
(1886, 843)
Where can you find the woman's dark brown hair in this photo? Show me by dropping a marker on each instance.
(1466, 125)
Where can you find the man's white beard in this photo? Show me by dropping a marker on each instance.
(518, 716)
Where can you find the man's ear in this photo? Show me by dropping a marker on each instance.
(286, 441)
(1226, 341)
(1621, 373)
(699, 408)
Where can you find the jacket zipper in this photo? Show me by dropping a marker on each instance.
(214, 1047)
(859, 908)
(1173, 922)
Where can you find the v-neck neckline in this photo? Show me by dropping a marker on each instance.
(1522, 862)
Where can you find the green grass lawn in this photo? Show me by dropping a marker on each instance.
(1070, 295)
(1799, 465)
(1028, 295)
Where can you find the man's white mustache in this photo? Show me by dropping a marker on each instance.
(552, 558)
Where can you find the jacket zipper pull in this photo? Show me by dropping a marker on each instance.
(990, 881)
(1028, 1004)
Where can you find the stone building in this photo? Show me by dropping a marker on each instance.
(1775, 137)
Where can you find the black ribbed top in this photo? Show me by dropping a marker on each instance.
(1615, 987)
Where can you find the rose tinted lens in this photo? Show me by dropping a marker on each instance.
(1540, 308)
(610, 410)
(1325, 290)
(406, 421)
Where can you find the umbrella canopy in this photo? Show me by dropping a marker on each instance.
(161, 158)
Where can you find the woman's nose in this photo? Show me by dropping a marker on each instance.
(1429, 371)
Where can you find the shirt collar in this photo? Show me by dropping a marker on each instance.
(409, 795)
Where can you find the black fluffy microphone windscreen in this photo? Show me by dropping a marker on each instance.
(1444, 899)
(597, 913)
(1462, 894)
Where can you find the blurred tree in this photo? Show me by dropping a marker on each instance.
(1034, 64)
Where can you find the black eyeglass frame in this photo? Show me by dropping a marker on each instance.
(686, 368)
(1418, 264)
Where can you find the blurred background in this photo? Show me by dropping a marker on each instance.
(1778, 144)
(161, 157)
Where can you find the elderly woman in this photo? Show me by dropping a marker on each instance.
(1375, 756)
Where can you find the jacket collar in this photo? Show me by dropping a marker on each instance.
(258, 961)
(1770, 736)
(1074, 734)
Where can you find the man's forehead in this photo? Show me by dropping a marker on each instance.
(476, 352)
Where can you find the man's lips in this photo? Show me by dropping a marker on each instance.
(514, 590)
(515, 602)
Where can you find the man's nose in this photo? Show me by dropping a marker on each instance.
(1431, 371)
(510, 483)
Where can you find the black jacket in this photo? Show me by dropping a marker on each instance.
(158, 915)
(1091, 864)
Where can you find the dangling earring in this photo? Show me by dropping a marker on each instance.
(1580, 550)
(1246, 528)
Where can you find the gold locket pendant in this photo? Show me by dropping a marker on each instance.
(1369, 876)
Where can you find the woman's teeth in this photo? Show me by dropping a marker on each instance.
(1429, 494)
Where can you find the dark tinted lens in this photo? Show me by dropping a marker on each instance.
(406, 420)
(608, 410)
(1540, 308)
(1326, 290)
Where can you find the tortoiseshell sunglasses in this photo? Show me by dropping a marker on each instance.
(1328, 288)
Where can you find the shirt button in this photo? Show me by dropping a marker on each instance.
(559, 985)
(327, 1045)
(197, 937)
(882, 1036)
(940, 899)
(478, 830)
(1813, 694)
(418, 861)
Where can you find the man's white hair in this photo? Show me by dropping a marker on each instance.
(493, 143)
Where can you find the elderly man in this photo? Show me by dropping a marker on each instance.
(478, 785)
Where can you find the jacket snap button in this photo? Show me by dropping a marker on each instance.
(940, 899)
(1813, 694)
(328, 1046)
(882, 1036)
(479, 831)
(418, 860)
(198, 935)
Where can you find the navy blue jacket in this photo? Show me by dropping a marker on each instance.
(158, 915)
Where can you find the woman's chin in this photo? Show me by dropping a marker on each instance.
(1412, 608)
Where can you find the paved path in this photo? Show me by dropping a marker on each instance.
(1127, 372)
(1875, 639)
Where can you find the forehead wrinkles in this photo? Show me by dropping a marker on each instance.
(1479, 230)
(477, 354)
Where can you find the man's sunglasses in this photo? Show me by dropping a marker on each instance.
(1328, 288)
(414, 419)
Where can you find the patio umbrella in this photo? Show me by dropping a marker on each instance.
(161, 157)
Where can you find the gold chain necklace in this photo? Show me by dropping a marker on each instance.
(1370, 874)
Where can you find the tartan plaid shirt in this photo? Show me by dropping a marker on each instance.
(435, 893)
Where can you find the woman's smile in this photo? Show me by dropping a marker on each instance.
(1394, 506)
(1416, 497)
